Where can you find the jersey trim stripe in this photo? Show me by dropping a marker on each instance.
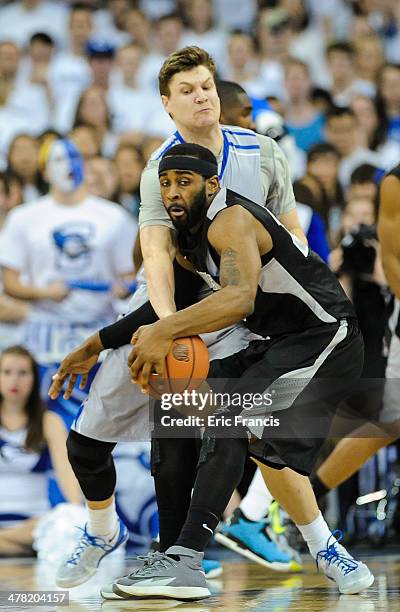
(284, 397)
(239, 133)
(235, 146)
(274, 278)
(168, 146)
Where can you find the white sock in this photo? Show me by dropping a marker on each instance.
(256, 502)
(104, 522)
(316, 534)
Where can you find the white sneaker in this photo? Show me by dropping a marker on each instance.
(83, 562)
(350, 575)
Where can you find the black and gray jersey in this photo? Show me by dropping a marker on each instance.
(296, 290)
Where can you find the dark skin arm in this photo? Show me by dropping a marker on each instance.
(239, 239)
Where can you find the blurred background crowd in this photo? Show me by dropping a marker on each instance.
(321, 77)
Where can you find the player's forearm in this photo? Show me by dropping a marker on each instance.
(221, 309)
(160, 283)
(292, 223)
(158, 254)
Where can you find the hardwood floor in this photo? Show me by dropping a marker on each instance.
(242, 587)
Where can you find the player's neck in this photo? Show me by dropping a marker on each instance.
(211, 138)
(69, 199)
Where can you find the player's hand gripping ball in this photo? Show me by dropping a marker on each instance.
(186, 368)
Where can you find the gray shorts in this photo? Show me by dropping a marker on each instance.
(115, 409)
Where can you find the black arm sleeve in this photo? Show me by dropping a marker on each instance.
(187, 288)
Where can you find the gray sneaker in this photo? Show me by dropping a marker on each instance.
(84, 560)
(164, 576)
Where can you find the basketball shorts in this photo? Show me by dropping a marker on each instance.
(115, 409)
(302, 378)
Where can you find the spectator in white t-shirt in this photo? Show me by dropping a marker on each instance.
(19, 20)
(273, 38)
(203, 32)
(139, 28)
(132, 107)
(110, 23)
(168, 33)
(25, 99)
(34, 67)
(243, 65)
(369, 59)
(51, 246)
(344, 84)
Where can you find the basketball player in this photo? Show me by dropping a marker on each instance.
(263, 275)
(352, 452)
(115, 410)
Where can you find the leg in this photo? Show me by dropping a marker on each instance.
(93, 466)
(294, 493)
(346, 458)
(174, 469)
(17, 540)
(221, 464)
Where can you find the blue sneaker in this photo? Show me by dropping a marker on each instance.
(83, 562)
(212, 569)
(252, 540)
(350, 575)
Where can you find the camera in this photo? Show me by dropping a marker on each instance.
(358, 254)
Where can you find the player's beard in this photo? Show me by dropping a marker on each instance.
(195, 214)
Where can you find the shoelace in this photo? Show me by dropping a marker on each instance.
(332, 555)
(275, 518)
(85, 541)
(152, 561)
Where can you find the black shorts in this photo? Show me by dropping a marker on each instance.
(303, 377)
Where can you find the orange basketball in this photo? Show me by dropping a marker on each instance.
(186, 368)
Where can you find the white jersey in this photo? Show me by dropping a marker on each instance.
(87, 242)
(249, 164)
(23, 478)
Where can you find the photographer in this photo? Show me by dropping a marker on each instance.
(357, 263)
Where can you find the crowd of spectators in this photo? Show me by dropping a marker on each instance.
(328, 71)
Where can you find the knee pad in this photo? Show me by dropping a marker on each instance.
(87, 455)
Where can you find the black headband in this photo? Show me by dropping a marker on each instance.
(185, 162)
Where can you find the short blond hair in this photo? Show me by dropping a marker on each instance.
(182, 60)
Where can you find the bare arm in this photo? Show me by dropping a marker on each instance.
(158, 254)
(389, 231)
(11, 310)
(55, 434)
(234, 236)
(291, 221)
(56, 291)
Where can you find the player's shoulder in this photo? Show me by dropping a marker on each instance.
(268, 146)
(155, 157)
